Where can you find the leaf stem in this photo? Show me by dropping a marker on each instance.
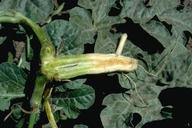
(49, 113)
(47, 107)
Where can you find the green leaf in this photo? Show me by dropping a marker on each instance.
(138, 12)
(2, 39)
(121, 107)
(81, 18)
(100, 13)
(16, 113)
(141, 13)
(181, 19)
(95, 21)
(64, 36)
(74, 84)
(37, 10)
(12, 83)
(70, 102)
(177, 72)
(159, 31)
(106, 42)
(80, 126)
(162, 60)
(166, 11)
(21, 123)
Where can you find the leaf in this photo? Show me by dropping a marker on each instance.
(166, 11)
(12, 83)
(16, 113)
(159, 31)
(181, 19)
(177, 72)
(75, 84)
(91, 23)
(137, 13)
(80, 126)
(70, 102)
(106, 42)
(120, 107)
(81, 18)
(140, 13)
(64, 36)
(2, 39)
(37, 10)
(100, 10)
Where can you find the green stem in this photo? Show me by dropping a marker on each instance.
(49, 113)
(47, 107)
(66, 67)
(36, 98)
(47, 49)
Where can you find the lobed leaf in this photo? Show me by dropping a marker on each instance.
(95, 21)
(12, 84)
(121, 107)
(64, 36)
(177, 72)
(70, 102)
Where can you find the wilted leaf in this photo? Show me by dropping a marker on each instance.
(12, 84)
(23, 61)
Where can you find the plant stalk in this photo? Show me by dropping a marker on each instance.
(49, 113)
(66, 67)
(36, 98)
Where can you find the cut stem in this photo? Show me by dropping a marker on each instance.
(66, 67)
(121, 44)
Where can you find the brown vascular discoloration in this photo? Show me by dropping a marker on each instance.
(69, 67)
(117, 63)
